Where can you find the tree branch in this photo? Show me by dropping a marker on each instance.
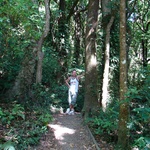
(72, 9)
(81, 10)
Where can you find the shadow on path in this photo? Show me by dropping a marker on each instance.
(70, 133)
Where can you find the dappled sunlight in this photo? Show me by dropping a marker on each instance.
(93, 60)
(55, 109)
(61, 131)
(92, 27)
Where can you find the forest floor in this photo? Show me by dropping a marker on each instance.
(68, 132)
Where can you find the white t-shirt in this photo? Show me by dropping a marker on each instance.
(74, 85)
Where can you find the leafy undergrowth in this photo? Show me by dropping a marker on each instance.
(104, 127)
(20, 128)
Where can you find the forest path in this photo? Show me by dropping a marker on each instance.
(68, 132)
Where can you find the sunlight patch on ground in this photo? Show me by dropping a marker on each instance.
(55, 109)
(61, 131)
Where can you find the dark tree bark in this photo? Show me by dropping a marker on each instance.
(144, 44)
(123, 110)
(91, 99)
(61, 42)
(72, 9)
(77, 44)
(23, 83)
(62, 19)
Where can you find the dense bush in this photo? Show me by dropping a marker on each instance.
(140, 115)
(105, 124)
(21, 128)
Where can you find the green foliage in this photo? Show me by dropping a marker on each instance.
(51, 68)
(18, 111)
(7, 146)
(41, 96)
(105, 124)
(1, 113)
(44, 118)
(140, 114)
(143, 143)
(20, 24)
(23, 128)
(8, 116)
(60, 98)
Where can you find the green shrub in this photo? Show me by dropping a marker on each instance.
(142, 143)
(1, 113)
(23, 128)
(7, 146)
(105, 124)
(140, 115)
(42, 96)
(15, 113)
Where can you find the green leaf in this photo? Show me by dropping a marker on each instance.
(8, 146)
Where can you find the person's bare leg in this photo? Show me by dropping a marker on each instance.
(71, 107)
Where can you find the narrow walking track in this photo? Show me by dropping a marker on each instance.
(70, 133)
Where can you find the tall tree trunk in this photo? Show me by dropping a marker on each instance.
(91, 99)
(77, 38)
(62, 19)
(61, 43)
(105, 93)
(123, 110)
(40, 54)
(106, 15)
(25, 78)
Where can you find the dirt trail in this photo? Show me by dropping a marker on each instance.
(70, 133)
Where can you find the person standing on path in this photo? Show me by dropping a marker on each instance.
(73, 84)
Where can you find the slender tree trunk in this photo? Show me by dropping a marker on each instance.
(144, 52)
(40, 54)
(62, 19)
(91, 99)
(106, 14)
(123, 111)
(77, 39)
(105, 93)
